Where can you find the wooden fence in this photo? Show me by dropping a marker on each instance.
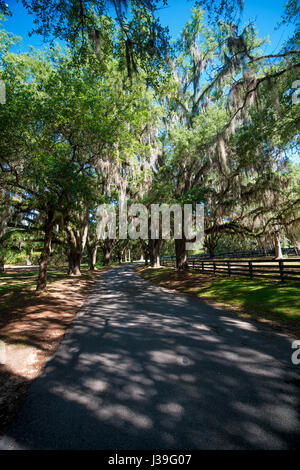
(285, 269)
(262, 253)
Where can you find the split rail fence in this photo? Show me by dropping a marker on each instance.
(285, 269)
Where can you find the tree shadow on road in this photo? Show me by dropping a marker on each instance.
(142, 368)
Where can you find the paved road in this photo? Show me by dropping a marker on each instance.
(143, 368)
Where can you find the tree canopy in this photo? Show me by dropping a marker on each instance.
(120, 113)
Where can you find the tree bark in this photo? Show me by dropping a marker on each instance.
(42, 277)
(181, 254)
(106, 256)
(120, 248)
(211, 251)
(74, 263)
(77, 240)
(146, 251)
(92, 256)
(107, 246)
(211, 243)
(155, 246)
(1, 266)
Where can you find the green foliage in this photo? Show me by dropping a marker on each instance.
(261, 300)
(139, 38)
(120, 113)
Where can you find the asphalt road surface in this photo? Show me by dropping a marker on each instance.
(144, 368)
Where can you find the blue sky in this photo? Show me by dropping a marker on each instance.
(266, 14)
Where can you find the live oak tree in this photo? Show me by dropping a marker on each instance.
(54, 134)
(47, 174)
(264, 143)
(106, 120)
(204, 117)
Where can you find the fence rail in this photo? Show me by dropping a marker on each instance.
(285, 269)
(295, 252)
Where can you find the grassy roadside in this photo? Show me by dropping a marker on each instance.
(265, 301)
(17, 286)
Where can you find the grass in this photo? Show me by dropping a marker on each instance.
(19, 286)
(263, 300)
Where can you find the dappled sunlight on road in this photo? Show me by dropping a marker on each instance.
(142, 368)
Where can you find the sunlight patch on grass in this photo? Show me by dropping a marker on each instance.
(271, 297)
(269, 300)
(22, 283)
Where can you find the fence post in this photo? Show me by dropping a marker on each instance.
(251, 269)
(281, 268)
(193, 264)
(229, 270)
(202, 267)
(215, 267)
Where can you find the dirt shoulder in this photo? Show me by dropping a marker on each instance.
(32, 326)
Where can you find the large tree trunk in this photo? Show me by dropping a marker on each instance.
(107, 247)
(278, 251)
(106, 256)
(74, 263)
(145, 246)
(77, 240)
(42, 277)
(181, 254)
(119, 250)
(1, 266)
(211, 243)
(92, 256)
(211, 251)
(154, 246)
